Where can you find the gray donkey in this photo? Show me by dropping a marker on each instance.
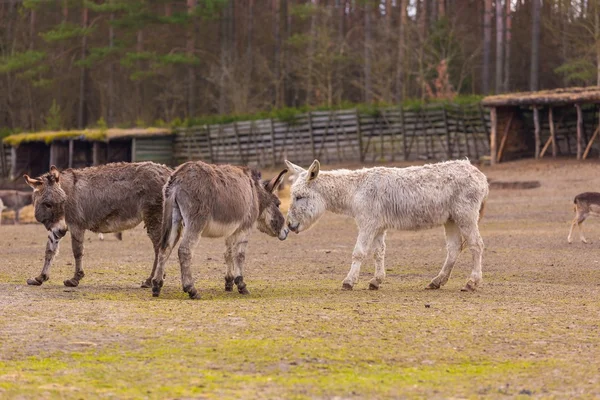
(15, 200)
(216, 201)
(102, 199)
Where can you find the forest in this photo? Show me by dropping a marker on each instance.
(79, 63)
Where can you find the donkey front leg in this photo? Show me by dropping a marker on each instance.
(471, 234)
(379, 254)
(236, 245)
(54, 237)
(453, 248)
(77, 237)
(363, 243)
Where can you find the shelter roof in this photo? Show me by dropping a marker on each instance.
(572, 95)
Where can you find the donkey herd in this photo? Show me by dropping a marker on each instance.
(205, 200)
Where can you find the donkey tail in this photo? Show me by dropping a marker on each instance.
(167, 220)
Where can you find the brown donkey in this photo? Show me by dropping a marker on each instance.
(103, 199)
(15, 200)
(216, 201)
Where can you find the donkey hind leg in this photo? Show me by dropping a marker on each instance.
(154, 229)
(379, 255)
(229, 265)
(162, 255)
(363, 243)
(453, 248)
(77, 237)
(236, 246)
(54, 237)
(190, 237)
(470, 231)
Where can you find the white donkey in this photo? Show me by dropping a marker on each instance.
(451, 193)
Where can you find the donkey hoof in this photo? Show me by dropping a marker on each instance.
(432, 286)
(194, 295)
(34, 282)
(469, 287)
(372, 286)
(346, 286)
(155, 294)
(243, 291)
(71, 283)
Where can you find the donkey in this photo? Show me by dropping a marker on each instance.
(585, 204)
(15, 200)
(216, 201)
(1, 209)
(102, 199)
(451, 193)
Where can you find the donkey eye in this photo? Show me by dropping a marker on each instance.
(298, 198)
(47, 205)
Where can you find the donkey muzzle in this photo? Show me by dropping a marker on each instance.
(294, 227)
(283, 234)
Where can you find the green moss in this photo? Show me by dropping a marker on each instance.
(49, 137)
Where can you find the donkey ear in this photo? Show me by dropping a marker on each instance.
(55, 173)
(33, 183)
(274, 183)
(294, 169)
(313, 171)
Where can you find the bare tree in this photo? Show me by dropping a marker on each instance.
(367, 49)
(401, 48)
(534, 76)
(487, 46)
(507, 41)
(82, 112)
(499, 45)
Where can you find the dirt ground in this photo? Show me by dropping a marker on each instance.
(532, 330)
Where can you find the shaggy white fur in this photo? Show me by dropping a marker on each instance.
(450, 193)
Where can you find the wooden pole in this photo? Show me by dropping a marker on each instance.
(71, 146)
(579, 129)
(273, 155)
(493, 135)
(589, 145)
(94, 153)
(13, 162)
(552, 132)
(536, 122)
(505, 136)
(546, 147)
(133, 149)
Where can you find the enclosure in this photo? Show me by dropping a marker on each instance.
(532, 328)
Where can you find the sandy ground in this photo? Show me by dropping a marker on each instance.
(531, 330)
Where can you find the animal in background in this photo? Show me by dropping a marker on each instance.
(15, 200)
(103, 199)
(1, 209)
(214, 201)
(118, 235)
(451, 194)
(585, 204)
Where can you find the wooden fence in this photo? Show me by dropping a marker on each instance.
(393, 134)
(5, 157)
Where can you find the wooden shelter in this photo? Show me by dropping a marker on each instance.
(34, 153)
(529, 123)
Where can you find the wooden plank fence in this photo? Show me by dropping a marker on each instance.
(5, 158)
(393, 134)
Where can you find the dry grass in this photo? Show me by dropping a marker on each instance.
(531, 330)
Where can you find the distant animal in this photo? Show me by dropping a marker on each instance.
(1, 209)
(118, 235)
(214, 201)
(451, 193)
(585, 204)
(15, 200)
(107, 198)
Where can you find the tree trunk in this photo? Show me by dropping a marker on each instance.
(82, 109)
(507, 41)
(32, 112)
(487, 46)
(499, 45)
(535, 46)
(311, 51)
(367, 53)
(401, 49)
(597, 37)
(441, 9)
(139, 47)
(110, 118)
(224, 61)
(277, 52)
(190, 47)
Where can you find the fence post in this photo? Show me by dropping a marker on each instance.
(312, 138)
(210, 149)
(359, 134)
(273, 154)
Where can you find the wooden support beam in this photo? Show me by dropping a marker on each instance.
(13, 162)
(505, 136)
(546, 146)
(579, 129)
(552, 131)
(536, 123)
(133, 149)
(493, 135)
(52, 155)
(95, 160)
(71, 147)
(589, 145)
